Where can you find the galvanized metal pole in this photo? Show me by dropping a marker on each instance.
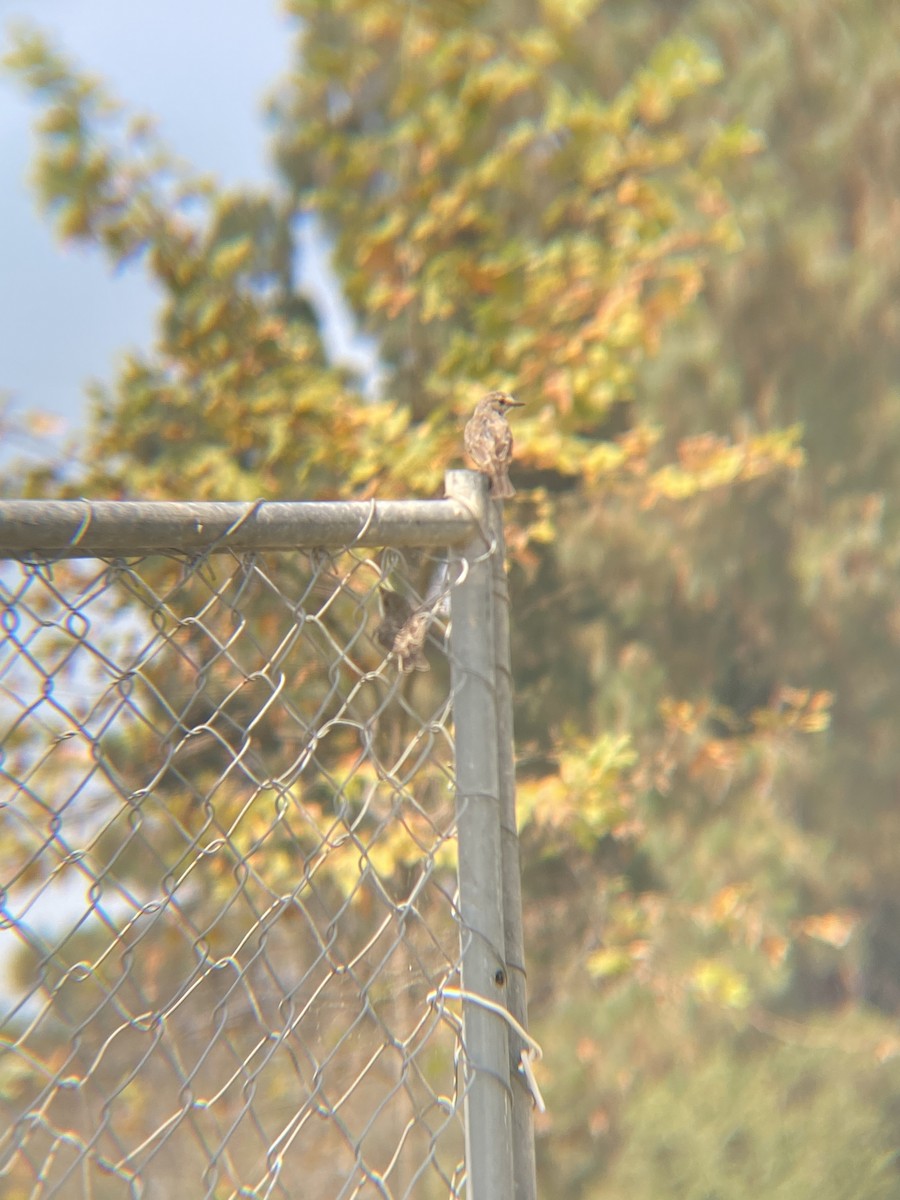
(488, 1101)
(522, 1102)
(123, 528)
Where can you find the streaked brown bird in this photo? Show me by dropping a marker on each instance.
(489, 440)
(402, 630)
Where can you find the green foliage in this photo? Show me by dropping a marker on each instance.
(752, 1118)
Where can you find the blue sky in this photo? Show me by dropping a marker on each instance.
(65, 315)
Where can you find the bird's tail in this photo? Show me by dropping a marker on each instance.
(501, 488)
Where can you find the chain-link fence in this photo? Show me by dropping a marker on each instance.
(260, 911)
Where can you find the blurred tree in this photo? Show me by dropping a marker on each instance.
(670, 229)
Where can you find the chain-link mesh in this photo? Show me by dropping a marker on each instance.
(229, 886)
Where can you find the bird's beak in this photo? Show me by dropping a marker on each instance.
(515, 403)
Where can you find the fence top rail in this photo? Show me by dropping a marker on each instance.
(126, 528)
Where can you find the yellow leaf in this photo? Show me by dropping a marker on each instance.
(230, 258)
(609, 962)
(719, 984)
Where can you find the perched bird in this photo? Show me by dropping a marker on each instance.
(489, 441)
(402, 630)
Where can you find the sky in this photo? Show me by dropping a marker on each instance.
(66, 317)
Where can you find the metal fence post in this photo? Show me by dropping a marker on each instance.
(522, 1103)
(488, 1122)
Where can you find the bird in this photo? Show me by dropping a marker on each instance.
(402, 630)
(489, 440)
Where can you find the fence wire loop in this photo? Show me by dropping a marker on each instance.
(85, 523)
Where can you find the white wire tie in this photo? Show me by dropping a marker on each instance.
(530, 1055)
